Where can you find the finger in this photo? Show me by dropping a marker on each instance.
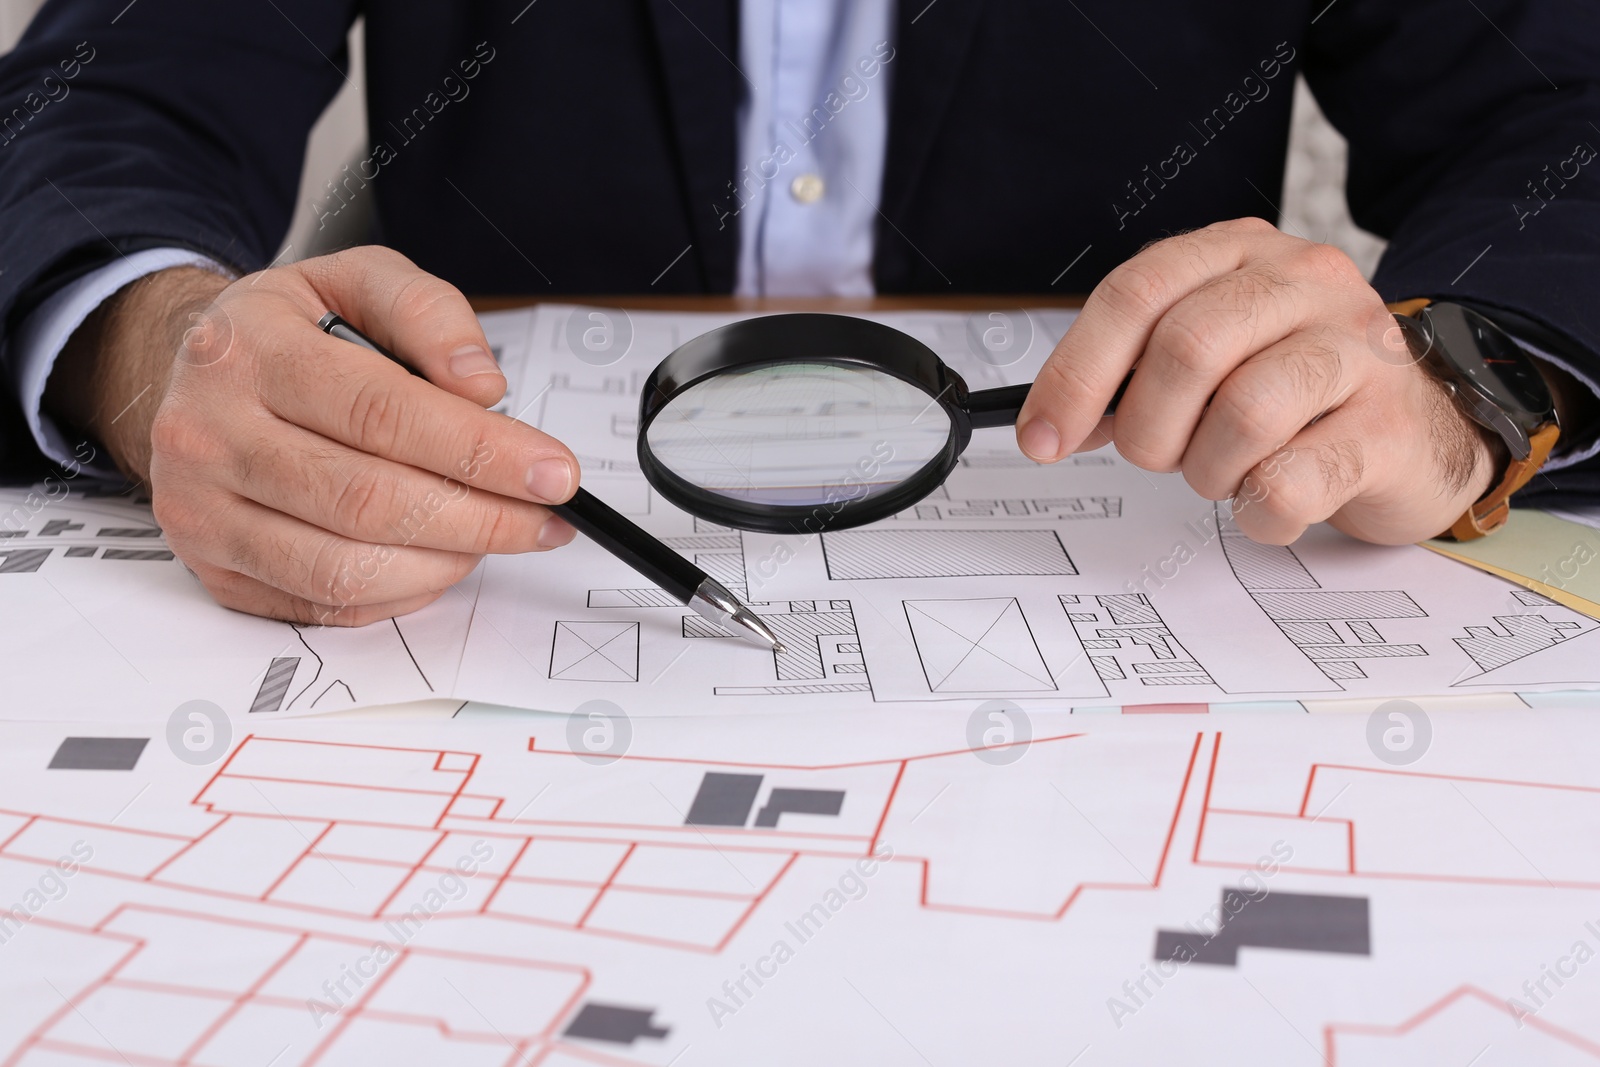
(1078, 380)
(420, 318)
(1318, 472)
(311, 563)
(1195, 346)
(356, 397)
(374, 500)
(243, 593)
(1262, 405)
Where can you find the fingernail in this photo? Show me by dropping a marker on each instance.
(557, 532)
(550, 480)
(1039, 440)
(471, 360)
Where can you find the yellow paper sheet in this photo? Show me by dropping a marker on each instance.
(1538, 551)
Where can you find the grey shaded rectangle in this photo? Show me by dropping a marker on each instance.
(1299, 922)
(800, 802)
(1130, 609)
(723, 799)
(614, 1023)
(1168, 666)
(136, 553)
(1317, 653)
(130, 531)
(59, 526)
(1311, 633)
(1365, 632)
(902, 553)
(699, 626)
(23, 560)
(1330, 607)
(797, 689)
(1261, 566)
(1107, 668)
(1342, 671)
(632, 598)
(275, 685)
(98, 754)
(81, 552)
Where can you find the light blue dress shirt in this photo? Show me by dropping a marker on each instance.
(812, 130)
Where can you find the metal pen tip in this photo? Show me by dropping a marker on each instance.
(713, 601)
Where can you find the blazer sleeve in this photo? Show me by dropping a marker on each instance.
(178, 123)
(1474, 148)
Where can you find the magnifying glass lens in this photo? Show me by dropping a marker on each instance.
(799, 434)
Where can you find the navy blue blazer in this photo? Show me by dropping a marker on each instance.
(577, 146)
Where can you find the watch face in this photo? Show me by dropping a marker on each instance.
(1481, 358)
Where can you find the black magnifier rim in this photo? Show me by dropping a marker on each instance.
(803, 337)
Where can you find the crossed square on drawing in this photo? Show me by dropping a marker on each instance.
(977, 646)
(595, 652)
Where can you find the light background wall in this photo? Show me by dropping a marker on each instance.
(1313, 199)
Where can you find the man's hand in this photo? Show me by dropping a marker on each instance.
(1269, 372)
(301, 476)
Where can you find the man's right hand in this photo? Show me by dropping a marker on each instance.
(304, 477)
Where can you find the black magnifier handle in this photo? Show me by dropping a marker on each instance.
(999, 407)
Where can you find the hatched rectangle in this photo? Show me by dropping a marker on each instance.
(902, 553)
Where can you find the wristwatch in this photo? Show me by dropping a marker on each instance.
(1496, 384)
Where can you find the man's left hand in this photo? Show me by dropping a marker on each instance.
(1268, 371)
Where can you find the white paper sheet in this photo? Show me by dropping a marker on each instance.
(804, 890)
(1089, 583)
(1086, 584)
(100, 621)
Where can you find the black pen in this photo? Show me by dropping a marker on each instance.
(623, 538)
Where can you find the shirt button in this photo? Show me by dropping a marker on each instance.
(807, 188)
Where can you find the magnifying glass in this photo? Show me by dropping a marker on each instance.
(806, 422)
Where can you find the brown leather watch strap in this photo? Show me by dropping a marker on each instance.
(1409, 307)
(1490, 513)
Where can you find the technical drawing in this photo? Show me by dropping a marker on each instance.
(25, 553)
(1127, 639)
(1398, 823)
(939, 505)
(420, 1004)
(977, 646)
(876, 552)
(294, 683)
(570, 411)
(821, 648)
(595, 651)
(1298, 922)
(1332, 629)
(719, 554)
(1516, 636)
(1458, 1028)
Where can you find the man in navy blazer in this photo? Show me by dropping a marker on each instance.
(150, 153)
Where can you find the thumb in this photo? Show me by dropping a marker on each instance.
(420, 318)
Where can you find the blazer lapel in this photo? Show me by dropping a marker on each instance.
(931, 45)
(699, 45)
